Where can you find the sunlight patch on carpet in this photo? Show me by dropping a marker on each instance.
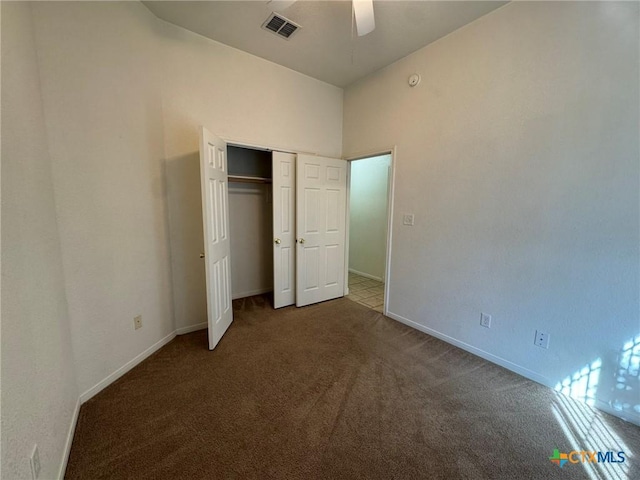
(586, 430)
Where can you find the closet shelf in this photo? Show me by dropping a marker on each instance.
(246, 179)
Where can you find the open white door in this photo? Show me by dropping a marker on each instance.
(215, 216)
(284, 252)
(321, 201)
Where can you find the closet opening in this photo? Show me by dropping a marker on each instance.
(250, 221)
(369, 211)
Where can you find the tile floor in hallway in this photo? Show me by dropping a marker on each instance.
(366, 291)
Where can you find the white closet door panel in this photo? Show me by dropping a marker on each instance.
(215, 212)
(284, 252)
(321, 233)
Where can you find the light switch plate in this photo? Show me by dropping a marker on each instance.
(408, 219)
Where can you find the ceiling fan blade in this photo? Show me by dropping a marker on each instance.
(363, 11)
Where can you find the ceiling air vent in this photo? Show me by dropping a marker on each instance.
(281, 26)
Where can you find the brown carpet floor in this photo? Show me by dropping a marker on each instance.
(332, 391)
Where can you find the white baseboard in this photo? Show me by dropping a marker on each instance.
(514, 367)
(126, 367)
(626, 416)
(251, 293)
(191, 328)
(366, 275)
(67, 446)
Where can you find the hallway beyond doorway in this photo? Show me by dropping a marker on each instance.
(366, 291)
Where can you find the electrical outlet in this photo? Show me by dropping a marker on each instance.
(408, 219)
(485, 320)
(35, 463)
(542, 339)
(137, 321)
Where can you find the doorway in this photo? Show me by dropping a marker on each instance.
(369, 188)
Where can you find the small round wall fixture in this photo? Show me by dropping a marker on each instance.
(414, 80)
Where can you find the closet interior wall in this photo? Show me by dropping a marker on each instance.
(250, 221)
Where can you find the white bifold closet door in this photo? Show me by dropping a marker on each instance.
(309, 228)
(321, 204)
(215, 215)
(284, 251)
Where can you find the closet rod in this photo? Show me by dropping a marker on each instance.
(243, 179)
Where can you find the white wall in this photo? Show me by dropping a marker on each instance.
(101, 104)
(124, 94)
(518, 153)
(239, 97)
(39, 391)
(100, 73)
(368, 199)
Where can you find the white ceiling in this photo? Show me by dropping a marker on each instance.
(325, 47)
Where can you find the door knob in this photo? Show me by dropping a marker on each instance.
(202, 255)
(302, 240)
(277, 241)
